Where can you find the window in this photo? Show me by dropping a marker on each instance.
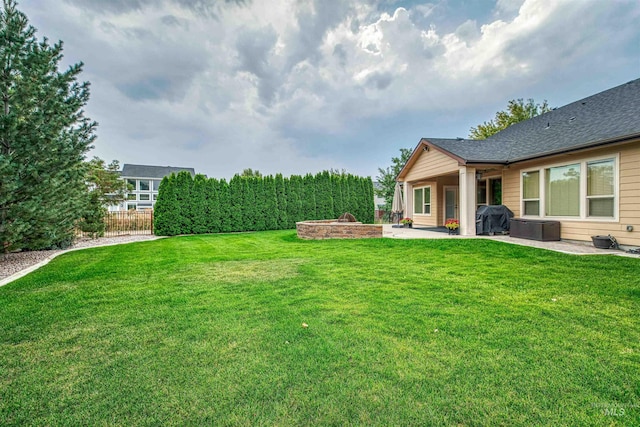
(156, 185)
(531, 193)
(600, 188)
(585, 189)
(131, 207)
(144, 196)
(422, 201)
(131, 183)
(562, 186)
(155, 197)
(144, 185)
(131, 196)
(481, 198)
(495, 188)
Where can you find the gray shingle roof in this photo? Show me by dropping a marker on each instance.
(604, 117)
(146, 171)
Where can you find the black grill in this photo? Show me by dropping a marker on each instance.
(493, 219)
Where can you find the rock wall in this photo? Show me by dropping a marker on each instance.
(330, 229)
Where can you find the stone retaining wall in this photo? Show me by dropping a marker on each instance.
(331, 229)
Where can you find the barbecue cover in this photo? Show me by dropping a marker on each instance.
(493, 219)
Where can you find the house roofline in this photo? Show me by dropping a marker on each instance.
(604, 142)
(424, 142)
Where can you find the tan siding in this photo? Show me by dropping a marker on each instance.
(511, 190)
(630, 213)
(431, 164)
(629, 172)
(628, 195)
(428, 220)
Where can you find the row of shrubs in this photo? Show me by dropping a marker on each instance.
(196, 205)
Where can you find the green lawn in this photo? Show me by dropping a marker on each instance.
(208, 330)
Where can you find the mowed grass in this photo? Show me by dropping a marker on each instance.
(207, 330)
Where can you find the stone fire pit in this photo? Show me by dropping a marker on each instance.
(334, 229)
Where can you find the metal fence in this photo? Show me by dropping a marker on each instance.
(127, 223)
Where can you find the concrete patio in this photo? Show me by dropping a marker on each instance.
(573, 247)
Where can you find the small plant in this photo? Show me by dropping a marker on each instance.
(406, 221)
(452, 224)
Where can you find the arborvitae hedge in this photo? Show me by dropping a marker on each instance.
(198, 205)
(166, 210)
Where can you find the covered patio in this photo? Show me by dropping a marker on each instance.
(573, 247)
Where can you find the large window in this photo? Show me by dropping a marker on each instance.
(156, 185)
(582, 190)
(144, 185)
(422, 200)
(600, 188)
(531, 192)
(563, 190)
(131, 183)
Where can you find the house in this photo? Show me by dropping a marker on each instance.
(144, 182)
(578, 164)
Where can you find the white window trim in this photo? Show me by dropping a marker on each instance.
(523, 200)
(586, 197)
(583, 190)
(423, 201)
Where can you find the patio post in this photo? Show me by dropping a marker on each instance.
(408, 200)
(467, 212)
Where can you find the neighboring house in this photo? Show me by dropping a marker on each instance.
(144, 182)
(578, 164)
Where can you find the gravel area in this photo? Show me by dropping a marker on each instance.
(15, 262)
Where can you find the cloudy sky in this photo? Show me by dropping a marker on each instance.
(298, 86)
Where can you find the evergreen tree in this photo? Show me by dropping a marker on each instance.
(184, 185)
(224, 204)
(270, 207)
(105, 189)
(281, 203)
(324, 202)
(199, 205)
(352, 198)
(365, 200)
(214, 221)
(336, 194)
(43, 139)
(370, 202)
(166, 211)
(294, 200)
(308, 197)
(288, 193)
(236, 201)
(250, 215)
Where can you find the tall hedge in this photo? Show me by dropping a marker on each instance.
(166, 212)
(199, 214)
(282, 207)
(188, 205)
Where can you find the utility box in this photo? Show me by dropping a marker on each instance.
(535, 229)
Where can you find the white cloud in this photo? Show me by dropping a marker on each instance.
(275, 85)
